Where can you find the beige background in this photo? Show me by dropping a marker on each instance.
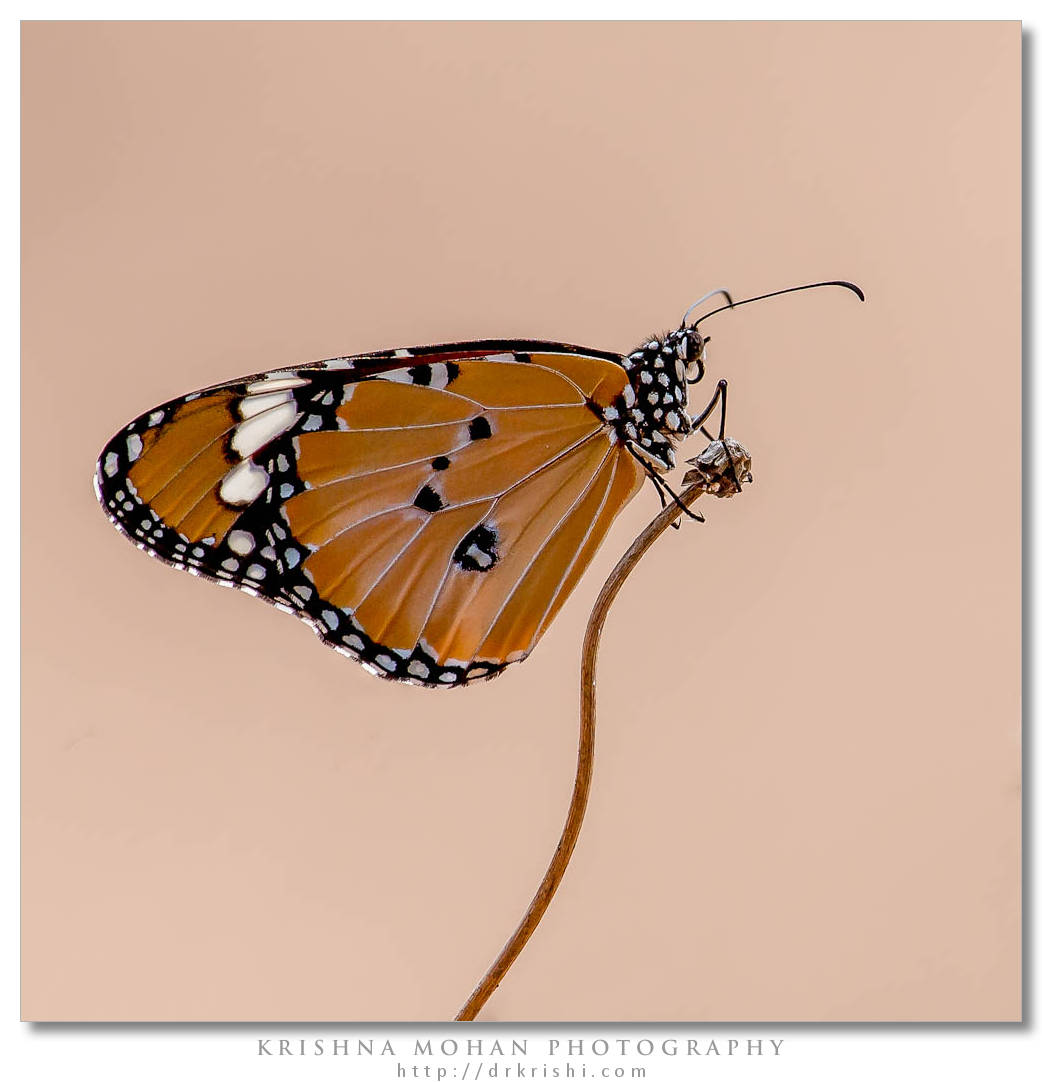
(806, 797)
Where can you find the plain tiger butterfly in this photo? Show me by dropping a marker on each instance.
(427, 511)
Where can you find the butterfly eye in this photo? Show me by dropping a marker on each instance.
(696, 352)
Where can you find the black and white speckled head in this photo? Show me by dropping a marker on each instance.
(653, 415)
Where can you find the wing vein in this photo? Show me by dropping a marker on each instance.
(202, 450)
(549, 537)
(358, 604)
(593, 525)
(187, 462)
(463, 503)
(481, 408)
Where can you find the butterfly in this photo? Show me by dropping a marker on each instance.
(427, 511)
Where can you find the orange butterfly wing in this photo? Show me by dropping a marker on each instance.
(429, 520)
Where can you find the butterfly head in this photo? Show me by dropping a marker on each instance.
(669, 361)
(691, 349)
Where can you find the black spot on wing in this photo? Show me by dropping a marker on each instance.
(428, 500)
(440, 463)
(477, 551)
(480, 429)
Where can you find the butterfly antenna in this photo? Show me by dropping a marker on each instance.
(701, 300)
(777, 293)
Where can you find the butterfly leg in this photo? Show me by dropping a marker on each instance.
(662, 488)
(719, 395)
(658, 483)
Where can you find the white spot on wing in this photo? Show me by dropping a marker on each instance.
(397, 375)
(253, 434)
(241, 541)
(111, 463)
(243, 484)
(479, 556)
(275, 381)
(133, 446)
(253, 404)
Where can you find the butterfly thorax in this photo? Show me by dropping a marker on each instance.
(651, 413)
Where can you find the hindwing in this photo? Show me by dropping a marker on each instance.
(427, 511)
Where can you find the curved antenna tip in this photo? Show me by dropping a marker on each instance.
(777, 293)
(849, 285)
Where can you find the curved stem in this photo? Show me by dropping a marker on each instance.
(584, 771)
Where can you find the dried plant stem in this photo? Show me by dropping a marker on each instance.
(584, 771)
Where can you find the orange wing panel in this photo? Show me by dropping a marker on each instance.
(600, 381)
(382, 404)
(319, 514)
(168, 449)
(209, 518)
(517, 625)
(184, 491)
(469, 601)
(629, 476)
(330, 456)
(521, 441)
(501, 384)
(345, 569)
(397, 607)
(182, 462)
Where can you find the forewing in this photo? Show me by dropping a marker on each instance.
(426, 511)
